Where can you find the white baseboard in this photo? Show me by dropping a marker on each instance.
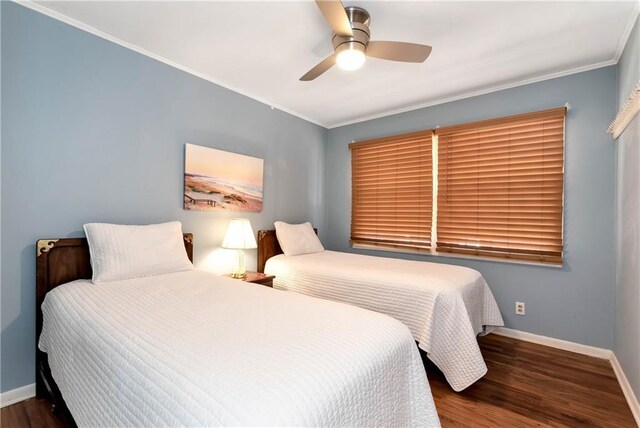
(591, 351)
(626, 388)
(16, 395)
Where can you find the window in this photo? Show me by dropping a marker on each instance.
(392, 191)
(499, 186)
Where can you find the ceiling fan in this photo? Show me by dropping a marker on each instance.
(351, 43)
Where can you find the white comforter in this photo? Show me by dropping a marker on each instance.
(196, 349)
(444, 306)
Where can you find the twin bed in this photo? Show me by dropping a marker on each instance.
(191, 348)
(444, 306)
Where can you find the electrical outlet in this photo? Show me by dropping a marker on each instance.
(519, 308)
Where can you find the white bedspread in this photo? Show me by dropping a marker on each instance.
(444, 306)
(197, 349)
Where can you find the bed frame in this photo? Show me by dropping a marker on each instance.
(59, 261)
(268, 246)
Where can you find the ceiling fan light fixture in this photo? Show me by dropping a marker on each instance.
(351, 43)
(350, 56)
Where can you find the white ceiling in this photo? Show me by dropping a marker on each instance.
(260, 49)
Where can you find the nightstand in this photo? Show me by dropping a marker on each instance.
(258, 278)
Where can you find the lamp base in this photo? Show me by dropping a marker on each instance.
(239, 271)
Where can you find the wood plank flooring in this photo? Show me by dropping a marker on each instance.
(533, 385)
(35, 412)
(527, 385)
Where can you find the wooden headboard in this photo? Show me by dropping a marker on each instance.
(59, 261)
(268, 246)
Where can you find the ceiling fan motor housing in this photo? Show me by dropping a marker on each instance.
(360, 20)
(351, 41)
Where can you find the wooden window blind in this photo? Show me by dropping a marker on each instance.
(392, 191)
(500, 187)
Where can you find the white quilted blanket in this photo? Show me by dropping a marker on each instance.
(196, 349)
(444, 306)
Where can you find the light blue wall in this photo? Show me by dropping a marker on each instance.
(573, 303)
(95, 132)
(627, 296)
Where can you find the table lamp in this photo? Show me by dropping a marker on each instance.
(239, 237)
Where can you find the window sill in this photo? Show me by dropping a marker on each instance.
(455, 256)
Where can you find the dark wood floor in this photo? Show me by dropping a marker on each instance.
(534, 385)
(34, 412)
(527, 385)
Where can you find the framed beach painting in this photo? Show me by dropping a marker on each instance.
(215, 180)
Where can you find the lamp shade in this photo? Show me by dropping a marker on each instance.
(239, 235)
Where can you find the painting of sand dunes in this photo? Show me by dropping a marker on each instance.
(215, 180)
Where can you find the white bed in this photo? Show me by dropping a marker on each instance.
(196, 349)
(444, 306)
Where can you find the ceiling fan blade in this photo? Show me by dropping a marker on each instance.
(336, 16)
(398, 51)
(320, 68)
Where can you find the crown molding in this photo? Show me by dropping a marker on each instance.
(476, 93)
(619, 50)
(104, 35)
(469, 94)
(627, 31)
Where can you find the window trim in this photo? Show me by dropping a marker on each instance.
(434, 253)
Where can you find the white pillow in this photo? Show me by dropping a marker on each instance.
(296, 239)
(122, 252)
